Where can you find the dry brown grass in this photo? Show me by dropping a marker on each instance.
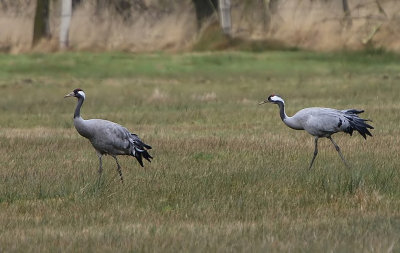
(147, 31)
(320, 25)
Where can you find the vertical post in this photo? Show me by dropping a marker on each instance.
(66, 12)
(225, 16)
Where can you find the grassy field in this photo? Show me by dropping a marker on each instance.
(227, 174)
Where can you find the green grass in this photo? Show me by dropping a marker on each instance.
(227, 174)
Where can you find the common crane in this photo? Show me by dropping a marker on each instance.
(323, 122)
(108, 138)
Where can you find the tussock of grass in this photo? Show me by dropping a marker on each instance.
(212, 39)
(227, 174)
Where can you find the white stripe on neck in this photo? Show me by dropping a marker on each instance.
(82, 94)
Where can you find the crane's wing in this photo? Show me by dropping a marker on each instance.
(327, 121)
(112, 138)
(129, 142)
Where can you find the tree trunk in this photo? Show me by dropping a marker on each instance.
(66, 12)
(273, 6)
(225, 16)
(41, 28)
(347, 14)
(204, 9)
(266, 14)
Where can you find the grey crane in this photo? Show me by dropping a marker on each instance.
(323, 122)
(108, 138)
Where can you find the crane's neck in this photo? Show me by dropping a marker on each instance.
(77, 113)
(81, 125)
(289, 121)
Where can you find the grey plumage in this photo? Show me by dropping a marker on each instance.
(323, 122)
(108, 138)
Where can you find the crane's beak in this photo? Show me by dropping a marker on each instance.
(69, 95)
(263, 102)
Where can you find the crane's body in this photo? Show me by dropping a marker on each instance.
(107, 137)
(323, 122)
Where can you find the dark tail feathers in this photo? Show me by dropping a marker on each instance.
(357, 123)
(140, 150)
(142, 153)
(353, 111)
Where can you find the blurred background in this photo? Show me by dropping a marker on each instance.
(185, 25)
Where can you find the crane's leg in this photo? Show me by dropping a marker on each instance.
(339, 152)
(100, 167)
(119, 169)
(315, 151)
(100, 162)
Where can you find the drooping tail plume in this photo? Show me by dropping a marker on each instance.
(357, 123)
(139, 150)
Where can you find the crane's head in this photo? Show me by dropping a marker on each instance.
(273, 99)
(78, 93)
